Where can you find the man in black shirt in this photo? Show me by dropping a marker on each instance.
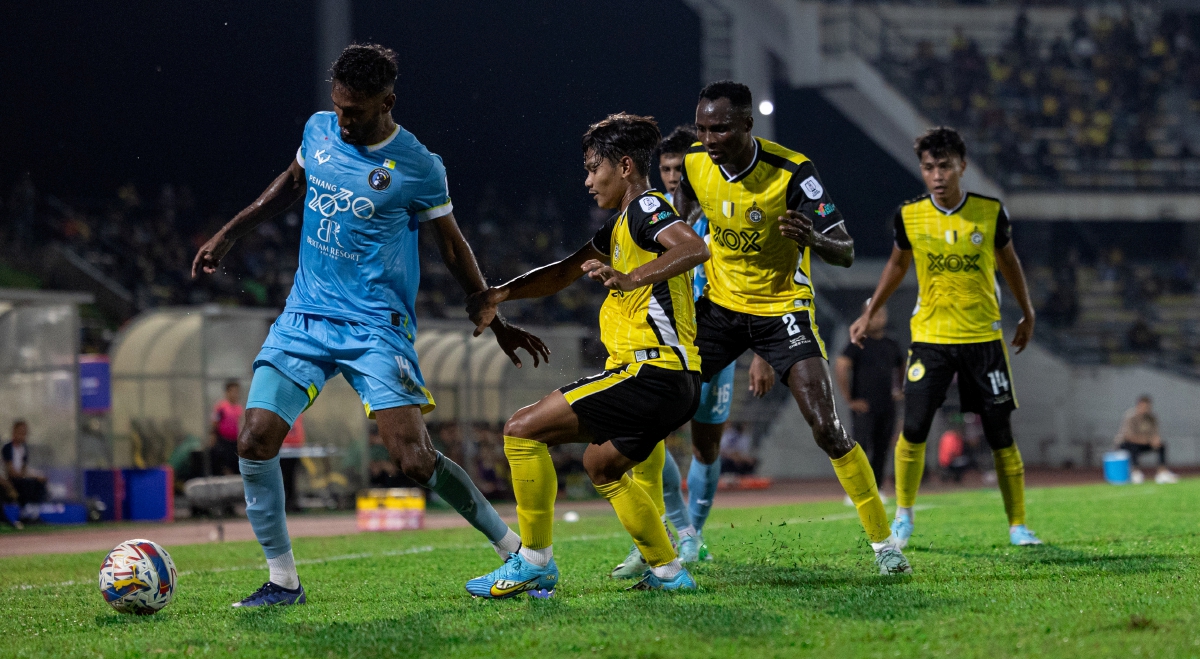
(869, 378)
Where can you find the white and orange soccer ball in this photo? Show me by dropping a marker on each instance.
(138, 576)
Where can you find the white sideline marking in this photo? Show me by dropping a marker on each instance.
(330, 559)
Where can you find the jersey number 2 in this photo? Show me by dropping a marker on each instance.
(792, 328)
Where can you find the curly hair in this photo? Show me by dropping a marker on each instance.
(738, 94)
(622, 134)
(366, 68)
(678, 141)
(941, 142)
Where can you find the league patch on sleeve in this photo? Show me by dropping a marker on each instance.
(661, 216)
(812, 188)
(649, 203)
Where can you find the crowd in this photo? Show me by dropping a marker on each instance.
(144, 245)
(1109, 103)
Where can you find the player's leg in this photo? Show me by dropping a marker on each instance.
(677, 511)
(407, 439)
(985, 386)
(527, 438)
(274, 402)
(647, 475)
(930, 370)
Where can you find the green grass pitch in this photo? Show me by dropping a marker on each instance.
(1118, 578)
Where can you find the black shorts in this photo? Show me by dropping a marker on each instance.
(984, 378)
(634, 407)
(723, 335)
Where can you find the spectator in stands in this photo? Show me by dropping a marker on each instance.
(869, 378)
(737, 451)
(1142, 337)
(226, 419)
(30, 485)
(1138, 435)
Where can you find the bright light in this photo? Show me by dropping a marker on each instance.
(766, 107)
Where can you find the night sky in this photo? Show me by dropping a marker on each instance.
(214, 95)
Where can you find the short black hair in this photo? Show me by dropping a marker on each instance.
(737, 93)
(1145, 398)
(622, 134)
(232, 383)
(678, 142)
(17, 423)
(368, 69)
(941, 142)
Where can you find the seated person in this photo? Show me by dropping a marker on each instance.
(223, 435)
(30, 485)
(737, 451)
(1138, 435)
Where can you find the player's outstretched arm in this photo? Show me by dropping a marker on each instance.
(1010, 267)
(685, 250)
(283, 192)
(539, 282)
(460, 260)
(889, 281)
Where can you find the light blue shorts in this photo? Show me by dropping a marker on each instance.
(378, 361)
(716, 397)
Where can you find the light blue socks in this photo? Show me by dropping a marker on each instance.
(702, 487)
(263, 481)
(677, 510)
(453, 485)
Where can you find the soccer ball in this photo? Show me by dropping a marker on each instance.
(138, 576)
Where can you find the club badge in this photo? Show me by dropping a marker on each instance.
(754, 213)
(379, 179)
(976, 238)
(916, 371)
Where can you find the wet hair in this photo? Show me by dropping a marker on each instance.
(678, 142)
(368, 69)
(941, 142)
(232, 383)
(622, 134)
(737, 93)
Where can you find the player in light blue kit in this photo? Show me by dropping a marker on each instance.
(367, 185)
(716, 398)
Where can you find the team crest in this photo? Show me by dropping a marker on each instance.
(976, 238)
(727, 208)
(754, 213)
(916, 371)
(379, 179)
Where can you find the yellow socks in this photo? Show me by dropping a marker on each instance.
(1010, 475)
(639, 517)
(854, 471)
(649, 476)
(535, 486)
(910, 466)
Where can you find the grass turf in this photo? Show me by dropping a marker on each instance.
(1117, 578)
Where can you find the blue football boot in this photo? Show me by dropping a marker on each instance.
(516, 576)
(1022, 537)
(681, 581)
(272, 594)
(902, 530)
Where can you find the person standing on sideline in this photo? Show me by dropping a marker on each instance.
(1138, 435)
(869, 377)
(226, 418)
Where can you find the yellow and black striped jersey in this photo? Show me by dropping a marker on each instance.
(754, 269)
(652, 324)
(954, 253)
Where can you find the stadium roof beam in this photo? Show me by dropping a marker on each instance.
(830, 45)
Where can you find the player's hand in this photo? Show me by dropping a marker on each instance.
(1024, 334)
(794, 226)
(858, 330)
(605, 274)
(482, 307)
(511, 337)
(859, 405)
(208, 258)
(762, 377)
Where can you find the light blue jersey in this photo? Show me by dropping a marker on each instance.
(716, 395)
(358, 254)
(351, 310)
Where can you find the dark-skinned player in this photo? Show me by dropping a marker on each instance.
(643, 255)
(367, 186)
(956, 240)
(768, 213)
